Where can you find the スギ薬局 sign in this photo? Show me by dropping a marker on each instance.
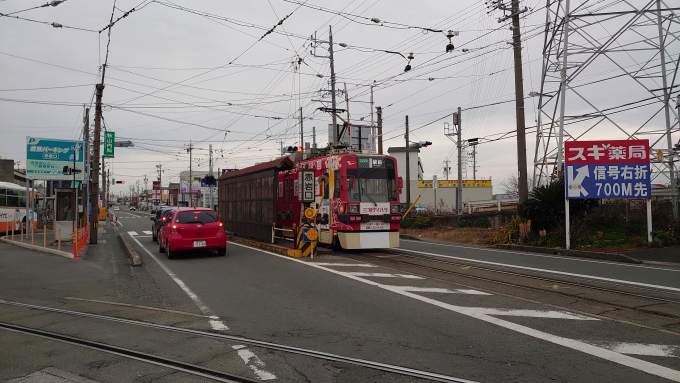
(607, 169)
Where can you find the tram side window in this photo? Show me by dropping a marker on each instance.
(3, 199)
(337, 184)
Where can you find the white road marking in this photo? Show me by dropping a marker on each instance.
(564, 258)
(147, 232)
(217, 325)
(131, 233)
(532, 313)
(600, 352)
(416, 289)
(551, 271)
(385, 275)
(344, 264)
(255, 363)
(672, 351)
(197, 300)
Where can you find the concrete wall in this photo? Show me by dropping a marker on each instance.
(448, 195)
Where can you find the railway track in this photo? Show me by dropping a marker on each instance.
(195, 369)
(445, 266)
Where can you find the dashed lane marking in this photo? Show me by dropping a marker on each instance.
(147, 232)
(132, 233)
(344, 264)
(251, 360)
(597, 351)
(383, 275)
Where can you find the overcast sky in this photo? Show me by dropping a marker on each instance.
(176, 75)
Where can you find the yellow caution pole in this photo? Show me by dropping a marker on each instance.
(410, 207)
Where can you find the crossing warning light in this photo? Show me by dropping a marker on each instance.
(120, 182)
(293, 149)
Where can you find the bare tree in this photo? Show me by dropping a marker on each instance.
(511, 186)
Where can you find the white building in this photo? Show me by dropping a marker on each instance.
(477, 190)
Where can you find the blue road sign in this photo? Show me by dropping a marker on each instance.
(46, 158)
(608, 181)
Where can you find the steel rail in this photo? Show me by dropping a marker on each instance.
(252, 342)
(516, 274)
(132, 354)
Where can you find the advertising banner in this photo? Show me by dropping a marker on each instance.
(607, 169)
(46, 159)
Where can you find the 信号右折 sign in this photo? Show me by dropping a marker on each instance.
(607, 169)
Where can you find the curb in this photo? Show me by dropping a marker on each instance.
(616, 257)
(409, 236)
(295, 253)
(132, 255)
(38, 248)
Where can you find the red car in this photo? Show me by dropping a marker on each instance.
(192, 229)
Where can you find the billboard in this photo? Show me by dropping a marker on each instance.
(47, 157)
(607, 169)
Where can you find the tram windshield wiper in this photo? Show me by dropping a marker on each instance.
(361, 187)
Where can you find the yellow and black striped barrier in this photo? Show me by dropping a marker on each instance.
(307, 241)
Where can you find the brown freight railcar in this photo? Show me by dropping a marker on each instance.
(247, 198)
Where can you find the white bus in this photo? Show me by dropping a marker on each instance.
(13, 206)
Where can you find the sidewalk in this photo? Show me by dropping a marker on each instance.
(39, 242)
(669, 254)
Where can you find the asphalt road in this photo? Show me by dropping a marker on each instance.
(655, 276)
(338, 305)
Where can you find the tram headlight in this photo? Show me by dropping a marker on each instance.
(354, 209)
(395, 209)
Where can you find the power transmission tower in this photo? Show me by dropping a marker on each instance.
(580, 63)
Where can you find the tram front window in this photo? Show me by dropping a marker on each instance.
(374, 181)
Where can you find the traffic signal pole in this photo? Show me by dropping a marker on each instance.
(408, 169)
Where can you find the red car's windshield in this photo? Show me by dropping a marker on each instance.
(196, 217)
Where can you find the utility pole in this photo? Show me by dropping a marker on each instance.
(160, 181)
(302, 133)
(210, 156)
(519, 103)
(146, 191)
(191, 181)
(380, 137)
(105, 186)
(88, 210)
(457, 120)
(474, 162)
(94, 225)
(373, 148)
(408, 168)
(335, 119)
(349, 125)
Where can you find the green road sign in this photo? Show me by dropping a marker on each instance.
(109, 144)
(46, 158)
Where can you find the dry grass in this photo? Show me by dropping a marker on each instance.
(473, 236)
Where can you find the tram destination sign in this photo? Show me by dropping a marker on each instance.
(607, 169)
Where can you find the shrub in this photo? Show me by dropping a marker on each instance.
(481, 222)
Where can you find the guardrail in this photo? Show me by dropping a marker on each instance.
(283, 230)
(499, 203)
(81, 238)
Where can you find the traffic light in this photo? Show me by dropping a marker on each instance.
(67, 170)
(293, 149)
(120, 182)
(420, 144)
(210, 180)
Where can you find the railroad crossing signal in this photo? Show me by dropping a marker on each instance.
(309, 213)
(120, 182)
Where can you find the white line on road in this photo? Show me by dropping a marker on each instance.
(560, 257)
(551, 271)
(672, 351)
(147, 232)
(197, 300)
(255, 363)
(416, 289)
(131, 233)
(532, 313)
(600, 352)
(384, 275)
(344, 264)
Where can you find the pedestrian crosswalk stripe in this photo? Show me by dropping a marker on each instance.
(386, 275)
(132, 232)
(672, 351)
(415, 289)
(147, 232)
(344, 264)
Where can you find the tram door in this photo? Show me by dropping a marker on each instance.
(323, 216)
